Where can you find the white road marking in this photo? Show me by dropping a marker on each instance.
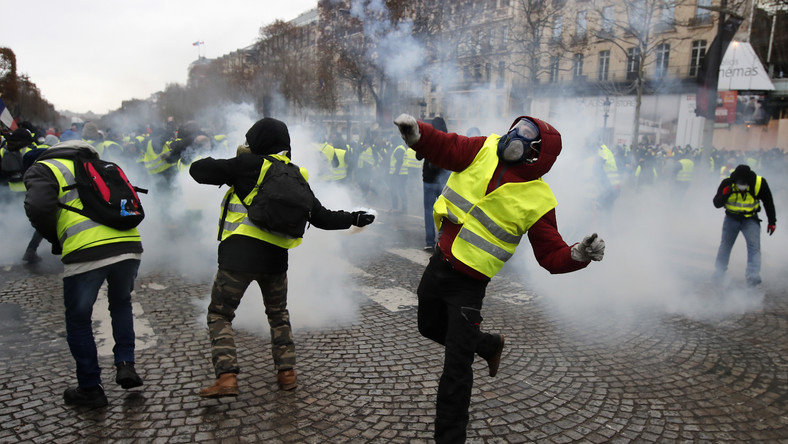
(393, 299)
(144, 335)
(418, 256)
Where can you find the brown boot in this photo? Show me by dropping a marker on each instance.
(225, 385)
(286, 379)
(495, 360)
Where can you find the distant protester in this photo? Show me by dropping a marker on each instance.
(92, 253)
(741, 194)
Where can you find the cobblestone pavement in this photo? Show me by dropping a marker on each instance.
(375, 379)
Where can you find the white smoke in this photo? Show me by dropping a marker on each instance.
(660, 245)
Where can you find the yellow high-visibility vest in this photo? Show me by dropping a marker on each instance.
(75, 231)
(410, 160)
(235, 217)
(403, 170)
(687, 168)
(492, 224)
(746, 205)
(610, 167)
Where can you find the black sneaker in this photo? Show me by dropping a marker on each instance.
(126, 376)
(85, 397)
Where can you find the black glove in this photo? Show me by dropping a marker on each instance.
(362, 218)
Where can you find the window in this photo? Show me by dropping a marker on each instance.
(637, 16)
(466, 73)
(501, 73)
(667, 15)
(604, 65)
(487, 72)
(477, 72)
(698, 53)
(504, 37)
(701, 13)
(504, 3)
(558, 28)
(662, 53)
(607, 19)
(491, 39)
(577, 66)
(554, 68)
(633, 63)
(581, 24)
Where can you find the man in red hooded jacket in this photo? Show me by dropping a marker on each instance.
(494, 196)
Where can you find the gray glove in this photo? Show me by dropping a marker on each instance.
(592, 248)
(408, 128)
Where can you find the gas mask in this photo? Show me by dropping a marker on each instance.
(521, 144)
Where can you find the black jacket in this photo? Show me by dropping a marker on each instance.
(244, 253)
(764, 194)
(41, 208)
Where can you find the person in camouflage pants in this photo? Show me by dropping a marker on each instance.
(250, 253)
(228, 289)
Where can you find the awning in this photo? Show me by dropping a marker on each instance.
(742, 70)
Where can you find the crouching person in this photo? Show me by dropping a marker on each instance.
(253, 248)
(92, 252)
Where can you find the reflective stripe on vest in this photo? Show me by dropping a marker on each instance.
(748, 205)
(236, 221)
(366, 157)
(492, 224)
(75, 231)
(410, 159)
(403, 169)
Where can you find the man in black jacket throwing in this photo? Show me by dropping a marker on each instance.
(249, 253)
(741, 195)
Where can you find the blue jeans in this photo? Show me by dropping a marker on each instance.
(79, 293)
(751, 229)
(431, 193)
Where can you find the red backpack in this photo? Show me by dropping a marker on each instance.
(107, 195)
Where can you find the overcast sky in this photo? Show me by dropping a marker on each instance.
(89, 55)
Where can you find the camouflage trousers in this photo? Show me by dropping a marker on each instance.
(228, 289)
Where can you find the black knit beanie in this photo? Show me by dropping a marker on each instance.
(268, 136)
(20, 138)
(743, 174)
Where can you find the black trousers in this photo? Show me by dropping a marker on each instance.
(450, 314)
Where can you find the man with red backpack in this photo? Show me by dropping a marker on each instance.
(60, 191)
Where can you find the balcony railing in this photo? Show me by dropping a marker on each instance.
(579, 39)
(703, 20)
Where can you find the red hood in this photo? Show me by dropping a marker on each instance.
(551, 148)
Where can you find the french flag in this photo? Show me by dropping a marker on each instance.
(5, 116)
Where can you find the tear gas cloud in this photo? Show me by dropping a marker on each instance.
(660, 245)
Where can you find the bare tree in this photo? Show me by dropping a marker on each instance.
(535, 44)
(643, 31)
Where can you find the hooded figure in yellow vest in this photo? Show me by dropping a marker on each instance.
(249, 253)
(92, 253)
(398, 176)
(741, 195)
(18, 143)
(493, 198)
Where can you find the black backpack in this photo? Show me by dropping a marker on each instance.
(107, 195)
(284, 200)
(13, 165)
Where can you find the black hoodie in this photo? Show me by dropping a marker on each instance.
(743, 173)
